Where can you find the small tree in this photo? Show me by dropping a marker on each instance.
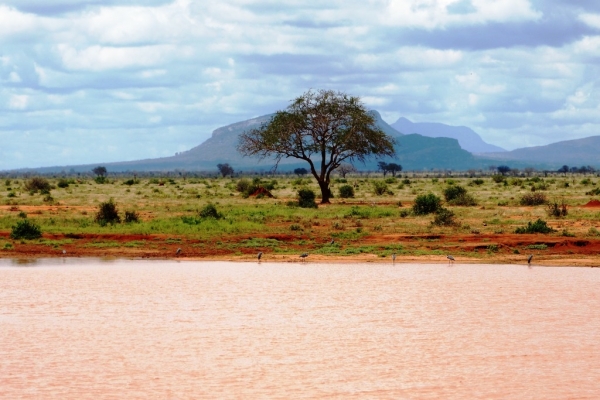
(100, 171)
(323, 128)
(383, 167)
(36, 184)
(394, 168)
(301, 171)
(345, 168)
(306, 198)
(26, 229)
(225, 169)
(503, 169)
(346, 191)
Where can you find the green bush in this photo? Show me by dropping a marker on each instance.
(593, 192)
(26, 229)
(454, 191)
(129, 182)
(107, 213)
(209, 211)
(533, 199)
(426, 204)
(242, 185)
(100, 180)
(539, 226)
(306, 198)
(380, 188)
(346, 191)
(499, 178)
(63, 183)
(131, 216)
(444, 217)
(478, 181)
(36, 184)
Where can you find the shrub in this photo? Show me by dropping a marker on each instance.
(454, 191)
(556, 209)
(346, 191)
(477, 181)
(593, 192)
(533, 199)
(498, 178)
(129, 182)
(295, 227)
(131, 216)
(210, 211)
(426, 204)
(444, 217)
(380, 188)
(539, 226)
(100, 180)
(26, 229)
(306, 198)
(36, 184)
(63, 183)
(107, 213)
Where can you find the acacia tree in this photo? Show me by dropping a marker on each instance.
(225, 169)
(323, 128)
(345, 168)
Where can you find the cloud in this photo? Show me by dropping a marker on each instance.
(126, 79)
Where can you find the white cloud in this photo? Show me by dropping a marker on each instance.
(18, 102)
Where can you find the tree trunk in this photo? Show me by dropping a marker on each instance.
(325, 192)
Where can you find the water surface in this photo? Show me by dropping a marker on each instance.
(73, 329)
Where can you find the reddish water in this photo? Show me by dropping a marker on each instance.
(140, 329)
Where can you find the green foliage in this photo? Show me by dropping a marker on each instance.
(380, 188)
(444, 217)
(593, 192)
(209, 211)
(426, 204)
(458, 196)
(498, 178)
(478, 182)
(243, 185)
(63, 183)
(101, 180)
(346, 191)
(36, 184)
(25, 229)
(130, 182)
(295, 227)
(539, 226)
(533, 199)
(107, 213)
(306, 198)
(537, 246)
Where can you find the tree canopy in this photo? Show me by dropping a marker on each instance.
(323, 128)
(225, 169)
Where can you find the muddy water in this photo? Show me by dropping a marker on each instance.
(140, 329)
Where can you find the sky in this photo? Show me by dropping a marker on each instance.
(91, 81)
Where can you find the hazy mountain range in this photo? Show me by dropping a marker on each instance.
(420, 146)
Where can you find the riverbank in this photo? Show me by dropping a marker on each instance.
(430, 248)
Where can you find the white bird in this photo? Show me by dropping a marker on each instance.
(529, 258)
(259, 255)
(303, 256)
(64, 252)
(394, 257)
(178, 252)
(449, 257)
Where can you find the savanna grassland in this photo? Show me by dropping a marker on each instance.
(213, 218)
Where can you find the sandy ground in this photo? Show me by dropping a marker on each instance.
(560, 251)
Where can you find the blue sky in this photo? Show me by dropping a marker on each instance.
(90, 81)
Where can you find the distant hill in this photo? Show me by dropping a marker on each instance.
(575, 152)
(414, 152)
(467, 138)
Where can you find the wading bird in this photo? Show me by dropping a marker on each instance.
(178, 252)
(303, 256)
(449, 257)
(332, 241)
(529, 258)
(259, 255)
(394, 257)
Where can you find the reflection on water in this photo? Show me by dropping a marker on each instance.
(161, 329)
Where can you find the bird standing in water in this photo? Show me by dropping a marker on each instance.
(303, 256)
(259, 255)
(178, 252)
(449, 257)
(529, 258)
(394, 257)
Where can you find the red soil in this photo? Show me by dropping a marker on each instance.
(592, 204)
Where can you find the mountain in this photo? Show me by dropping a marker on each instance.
(575, 152)
(414, 152)
(467, 138)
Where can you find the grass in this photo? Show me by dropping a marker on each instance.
(173, 210)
